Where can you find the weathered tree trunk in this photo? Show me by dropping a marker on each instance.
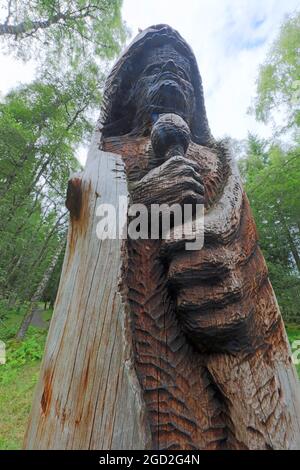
(152, 345)
(37, 296)
(290, 239)
(88, 396)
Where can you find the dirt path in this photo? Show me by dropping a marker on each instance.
(37, 319)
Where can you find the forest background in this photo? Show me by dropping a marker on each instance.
(42, 124)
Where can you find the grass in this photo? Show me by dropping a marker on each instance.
(10, 323)
(15, 403)
(17, 381)
(293, 331)
(19, 375)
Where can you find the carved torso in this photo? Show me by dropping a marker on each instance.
(189, 307)
(206, 326)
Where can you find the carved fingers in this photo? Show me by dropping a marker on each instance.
(217, 290)
(177, 180)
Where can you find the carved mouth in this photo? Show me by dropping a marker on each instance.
(168, 95)
(169, 76)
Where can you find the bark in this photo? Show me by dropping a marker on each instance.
(27, 26)
(30, 27)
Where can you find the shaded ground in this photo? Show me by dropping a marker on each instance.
(38, 320)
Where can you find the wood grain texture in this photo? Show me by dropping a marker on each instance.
(183, 406)
(88, 396)
(228, 310)
(186, 350)
(202, 318)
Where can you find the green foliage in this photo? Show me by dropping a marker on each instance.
(22, 353)
(47, 315)
(278, 85)
(36, 157)
(19, 354)
(271, 176)
(10, 319)
(62, 29)
(293, 332)
(18, 376)
(41, 126)
(15, 403)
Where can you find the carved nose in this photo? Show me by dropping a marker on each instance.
(170, 66)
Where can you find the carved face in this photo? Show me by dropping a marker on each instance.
(157, 74)
(163, 86)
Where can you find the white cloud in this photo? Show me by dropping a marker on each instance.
(230, 38)
(13, 73)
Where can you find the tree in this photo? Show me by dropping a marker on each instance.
(55, 27)
(272, 176)
(278, 84)
(38, 294)
(272, 169)
(50, 292)
(42, 124)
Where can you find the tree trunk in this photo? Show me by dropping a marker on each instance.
(89, 346)
(290, 240)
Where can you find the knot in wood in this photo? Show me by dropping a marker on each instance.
(74, 198)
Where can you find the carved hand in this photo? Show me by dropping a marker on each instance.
(177, 180)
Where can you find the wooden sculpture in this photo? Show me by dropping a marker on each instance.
(153, 346)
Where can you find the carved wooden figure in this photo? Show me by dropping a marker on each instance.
(152, 346)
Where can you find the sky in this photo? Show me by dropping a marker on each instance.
(230, 39)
